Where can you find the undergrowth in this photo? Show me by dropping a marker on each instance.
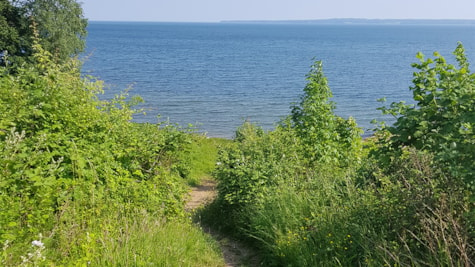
(80, 184)
(312, 193)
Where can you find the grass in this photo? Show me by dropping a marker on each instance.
(152, 242)
(137, 238)
(203, 155)
(146, 241)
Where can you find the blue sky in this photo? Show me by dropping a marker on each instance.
(217, 10)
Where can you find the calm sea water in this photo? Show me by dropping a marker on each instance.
(215, 76)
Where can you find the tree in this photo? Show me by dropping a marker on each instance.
(59, 24)
(13, 32)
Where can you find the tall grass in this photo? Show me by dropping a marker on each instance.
(309, 225)
(153, 242)
(414, 218)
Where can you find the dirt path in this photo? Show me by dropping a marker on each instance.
(201, 195)
(235, 253)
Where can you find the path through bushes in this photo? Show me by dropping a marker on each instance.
(234, 252)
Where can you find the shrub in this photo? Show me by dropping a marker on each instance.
(69, 160)
(416, 215)
(273, 183)
(425, 167)
(256, 162)
(442, 120)
(325, 137)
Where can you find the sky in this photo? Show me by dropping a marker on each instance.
(219, 10)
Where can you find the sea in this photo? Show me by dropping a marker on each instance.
(212, 77)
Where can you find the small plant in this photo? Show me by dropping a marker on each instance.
(35, 257)
(324, 136)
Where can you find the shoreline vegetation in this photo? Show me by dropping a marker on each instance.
(313, 193)
(83, 185)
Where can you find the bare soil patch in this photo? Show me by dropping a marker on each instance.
(235, 253)
(201, 195)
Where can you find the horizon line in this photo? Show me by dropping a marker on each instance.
(339, 20)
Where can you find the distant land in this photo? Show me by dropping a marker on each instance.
(364, 21)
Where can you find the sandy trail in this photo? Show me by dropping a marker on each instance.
(235, 253)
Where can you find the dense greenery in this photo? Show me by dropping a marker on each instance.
(312, 193)
(12, 29)
(77, 176)
(325, 137)
(442, 119)
(59, 24)
(80, 184)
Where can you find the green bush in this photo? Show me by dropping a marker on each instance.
(442, 120)
(254, 164)
(274, 183)
(440, 125)
(311, 193)
(310, 136)
(69, 161)
(324, 136)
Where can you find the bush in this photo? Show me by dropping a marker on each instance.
(254, 164)
(325, 137)
(442, 120)
(310, 194)
(68, 161)
(271, 184)
(439, 124)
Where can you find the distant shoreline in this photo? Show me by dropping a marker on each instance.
(363, 21)
(383, 22)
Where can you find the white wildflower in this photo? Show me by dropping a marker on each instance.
(37, 243)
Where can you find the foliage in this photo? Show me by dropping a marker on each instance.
(312, 136)
(442, 121)
(257, 162)
(13, 32)
(324, 136)
(60, 25)
(415, 215)
(69, 161)
(423, 177)
(311, 193)
(441, 124)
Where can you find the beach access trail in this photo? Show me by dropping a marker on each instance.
(235, 253)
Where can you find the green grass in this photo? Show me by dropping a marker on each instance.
(152, 242)
(148, 241)
(203, 155)
(136, 239)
